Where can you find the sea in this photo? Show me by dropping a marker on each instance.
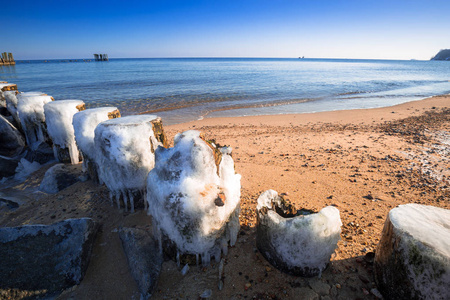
(186, 89)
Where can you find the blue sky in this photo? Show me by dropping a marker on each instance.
(392, 29)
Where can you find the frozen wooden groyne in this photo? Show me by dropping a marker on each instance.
(7, 59)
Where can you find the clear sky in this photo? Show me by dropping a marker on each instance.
(394, 29)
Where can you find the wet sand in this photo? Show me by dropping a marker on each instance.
(364, 162)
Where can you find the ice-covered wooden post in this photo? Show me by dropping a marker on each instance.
(59, 116)
(412, 260)
(84, 123)
(193, 194)
(296, 242)
(124, 150)
(4, 88)
(30, 108)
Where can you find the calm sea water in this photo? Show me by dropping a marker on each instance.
(186, 89)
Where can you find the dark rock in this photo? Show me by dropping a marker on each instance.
(12, 142)
(144, 258)
(43, 153)
(8, 166)
(46, 257)
(412, 260)
(442, 55)
(59, 177)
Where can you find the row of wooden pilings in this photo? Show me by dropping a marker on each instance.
(7, 59)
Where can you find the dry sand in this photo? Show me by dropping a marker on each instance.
(364, 162)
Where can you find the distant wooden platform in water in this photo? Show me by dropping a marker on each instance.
(7, 59)
(101, 57)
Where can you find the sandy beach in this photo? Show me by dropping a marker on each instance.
(364, 162)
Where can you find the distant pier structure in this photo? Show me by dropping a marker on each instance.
(7, 59)
(101, 57)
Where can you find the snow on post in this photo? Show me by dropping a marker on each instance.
(30, 107)
(5, 88)
(59, 116)
(193, 195)
(124, 150)
(297, 242)
(84, 123)
(412, 260)
(11, 105)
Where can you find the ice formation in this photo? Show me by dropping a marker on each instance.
(4, 88)
(30, 107)
(412, 260)
(25, 169)
(124, 150)
(297, 242)
(193, 195)
(84, 124)
(59, 116)
(11, 104)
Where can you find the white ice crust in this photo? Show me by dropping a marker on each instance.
(59, 116)
(302, 241)
(181, 194)
(25, 169)
(84, 124)
(428, 224)
(30, 108)
(123, 154)
(49, 184)
(11, 104)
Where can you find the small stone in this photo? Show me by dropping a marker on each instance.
(338, 285)
(185, 269)
(307, 293)
(376, 293)
(363, 279)
(206, 294)
(319, 287)
(268, 269)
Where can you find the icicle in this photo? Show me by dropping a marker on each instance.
(117, 195)
(74, 153)
(145, 200)
(224, 244)
(111, 198)
(217, 252)
(178, 259)
(206, 259)
(185, 269)
(196, 258)
(221, 274)
(125, 199)
(131, 197)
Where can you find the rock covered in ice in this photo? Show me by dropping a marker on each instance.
(12, 142)
(412, 260)
(46, 258)
(11, 104)
(193, 195)
(84, 124)
(5, 87)
(124, 150)
(297, 242)
(59, 177)
(59, 116)
(25, 168)
(30, 108)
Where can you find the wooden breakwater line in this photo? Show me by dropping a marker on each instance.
(101, 57)
(7, 59)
